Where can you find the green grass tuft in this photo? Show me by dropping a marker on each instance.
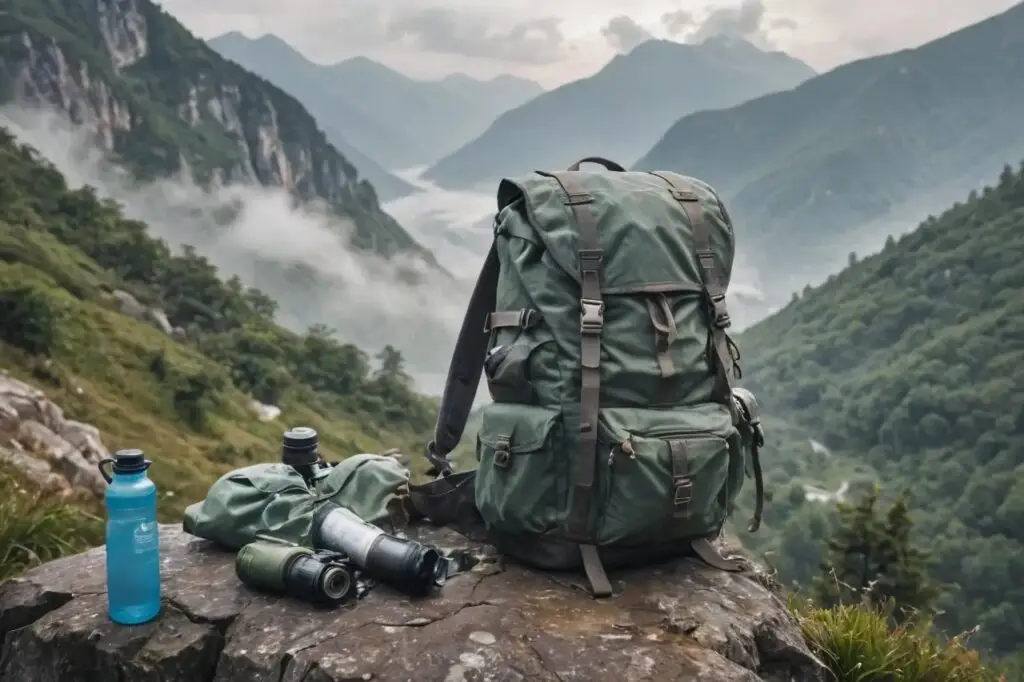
(36, 528)
(858, 643)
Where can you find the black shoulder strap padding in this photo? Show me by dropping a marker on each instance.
(466, 366)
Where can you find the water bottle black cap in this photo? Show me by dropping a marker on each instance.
(300, 438)
(130, 462)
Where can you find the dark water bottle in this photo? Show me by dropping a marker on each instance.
(133, 539)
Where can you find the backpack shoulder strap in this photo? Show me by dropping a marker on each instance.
(466, 367)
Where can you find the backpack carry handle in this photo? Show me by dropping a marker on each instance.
(609, 165)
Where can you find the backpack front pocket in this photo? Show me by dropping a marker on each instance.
(666, 475)
(521, 481)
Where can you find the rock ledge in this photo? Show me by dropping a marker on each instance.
(679, 621)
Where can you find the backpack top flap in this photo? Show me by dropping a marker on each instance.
(643, 226)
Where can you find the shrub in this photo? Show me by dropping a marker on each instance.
(31, 317)
(194, 396)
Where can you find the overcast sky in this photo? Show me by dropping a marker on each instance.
(561, 40)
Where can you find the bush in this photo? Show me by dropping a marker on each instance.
(857, 644)
(194, 396)
(35, 528)
(31, 317)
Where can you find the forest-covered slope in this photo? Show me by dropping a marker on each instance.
(910, 363)
(63, 252)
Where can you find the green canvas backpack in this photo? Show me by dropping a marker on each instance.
(615, 435)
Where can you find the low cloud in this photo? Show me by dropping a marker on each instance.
(748, 21)
(534, 41)
(679, 22)
(300, 258)
(624, 34)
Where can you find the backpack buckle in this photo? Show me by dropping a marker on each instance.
(683, 492)
(591, 316)
(719, 311)
(502, 452)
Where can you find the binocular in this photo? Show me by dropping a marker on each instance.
(319, 577)
(405, 564)
(347, 550)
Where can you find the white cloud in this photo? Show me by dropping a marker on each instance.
(624, 34)
(559, 41)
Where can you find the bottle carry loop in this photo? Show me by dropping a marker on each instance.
(123, 462)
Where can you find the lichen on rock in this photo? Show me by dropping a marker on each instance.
(677, 621)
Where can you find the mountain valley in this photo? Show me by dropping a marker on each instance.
(310, 234)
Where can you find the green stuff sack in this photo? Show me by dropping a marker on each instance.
(615, 435)
(274, 500)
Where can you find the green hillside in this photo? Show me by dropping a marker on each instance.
(885, 140)
(63, 251)
(909, 364)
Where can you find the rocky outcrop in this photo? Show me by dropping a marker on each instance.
(679, 621)
(56, 454)
(162, 101)
(129, 305)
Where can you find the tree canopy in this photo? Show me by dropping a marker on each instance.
(906, 366)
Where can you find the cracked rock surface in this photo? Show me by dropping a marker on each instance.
(676, 621)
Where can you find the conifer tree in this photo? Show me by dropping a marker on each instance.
(871, 558)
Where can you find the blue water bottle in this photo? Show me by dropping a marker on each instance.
(133, 539)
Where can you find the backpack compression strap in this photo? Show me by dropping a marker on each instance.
(591, 327)
(466, 367)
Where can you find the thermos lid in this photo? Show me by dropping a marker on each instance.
(130, 462)
(300, 438)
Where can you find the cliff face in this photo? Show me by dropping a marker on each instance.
(159, 99)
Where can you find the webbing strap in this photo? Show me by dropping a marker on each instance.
(755, 520)
(712, 557)
(591, 258)
(665, 333)
(685, 193)
(466, 367)
(592, 566)
(524, 318)
(682, 484)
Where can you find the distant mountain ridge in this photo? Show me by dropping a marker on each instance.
(876, 143)
(160, 99)
(397, 121)
(620, 111)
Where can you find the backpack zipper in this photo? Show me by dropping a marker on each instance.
(625, 447)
